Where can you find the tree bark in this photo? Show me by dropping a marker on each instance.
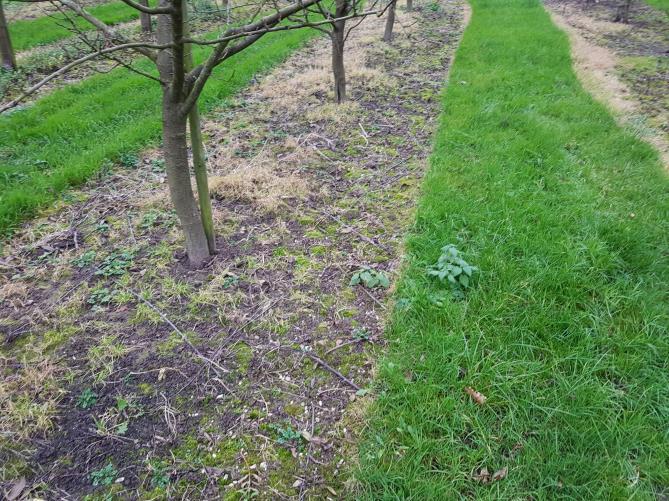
(7, 57)
(338, 69)
(390, 22)
(338, 37)
(623, 12)
(144, 18)
(171, 66)
(199, 154)
(409, 5)
(175, 149)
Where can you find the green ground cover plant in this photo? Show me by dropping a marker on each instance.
(29, 33)
(66, 136)
(659, 4)
(549, 378)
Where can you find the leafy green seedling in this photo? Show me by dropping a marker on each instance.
(286, 434)
(104, 476)
(453, 269)
(86, 259)
(157, 165)
(115, 264)
(160, 476)
(370, 278)
(129, 160)
(87, 399)
(100, 296)
(360, 334)
(102, 227)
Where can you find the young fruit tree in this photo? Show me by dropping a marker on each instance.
(182, 83)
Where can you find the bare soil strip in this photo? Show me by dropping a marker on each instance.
(624, 66)
(238, 378)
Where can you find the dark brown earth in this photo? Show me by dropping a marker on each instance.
(239, 379)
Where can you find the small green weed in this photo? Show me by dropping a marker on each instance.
(115, 264)
(86, 259)
(129, 160)
(102, 227)
(452, 268)
(104, 476)
(100, 296)
(286, 434)
(160, 475)
(87, 399)
(370, 278)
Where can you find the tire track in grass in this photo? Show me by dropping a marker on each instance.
(65, 137)
(566, 331)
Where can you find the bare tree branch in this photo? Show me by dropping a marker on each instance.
(283, 28)
(106, 29)
(148, 10)
(77, 62)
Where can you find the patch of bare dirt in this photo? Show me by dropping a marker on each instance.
(246, 378)
(625, 66)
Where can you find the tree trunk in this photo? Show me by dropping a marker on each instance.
(175, 149)
(390, 22)
(8, 60)
(623, 12)
(338, 69)
(144, 18)
(199, 154)
(409, 5)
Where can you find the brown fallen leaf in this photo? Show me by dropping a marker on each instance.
(312, 438)
(477, 397)
(500, 474)
(482, 476)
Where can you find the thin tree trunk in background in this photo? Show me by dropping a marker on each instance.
(338, 69)
(338, 38)
(390, 22)
(199, 154)
(409, 5)
(201, 180)
(6, 50)
(144, 18)
(623, 12)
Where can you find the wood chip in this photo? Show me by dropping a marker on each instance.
(477, 397)
(500, 474)
(16, 489)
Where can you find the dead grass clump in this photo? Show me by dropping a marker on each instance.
(29, 395)
(260, 184)
(335, 116)
(13, 290)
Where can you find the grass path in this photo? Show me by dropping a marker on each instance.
(566, 331)
(660, 4)
(29, 33)
(66, 136)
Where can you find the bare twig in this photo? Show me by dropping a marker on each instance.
(209, 361)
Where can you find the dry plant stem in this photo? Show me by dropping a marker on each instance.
(185, 339)
(329, 368)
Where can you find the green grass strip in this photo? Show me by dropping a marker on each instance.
(30, 33)
(660, 4)
(566, 332)
(65, 137)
